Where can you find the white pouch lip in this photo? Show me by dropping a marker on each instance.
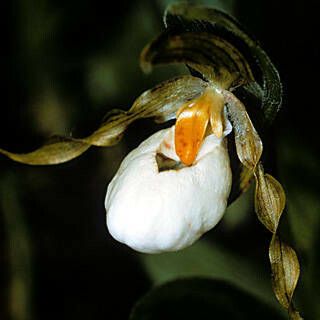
(154, 211)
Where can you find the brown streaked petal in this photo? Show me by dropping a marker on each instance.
(270, 199)
(248, 143)
(210, 55)
(160, 103)
(54, 152)
(163, 101)
(285, 272)
(185, 16)
(269, 204)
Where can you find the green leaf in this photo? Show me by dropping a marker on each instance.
(200, 299)
(160, 102)
(213, 261)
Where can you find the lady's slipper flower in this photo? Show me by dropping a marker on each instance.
(174, 187)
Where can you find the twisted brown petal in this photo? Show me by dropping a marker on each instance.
(248, 143)
(160, 102)
(285, 270)
(270, 199)
(269, 204)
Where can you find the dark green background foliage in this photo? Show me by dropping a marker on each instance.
(198, 299)
(64, 65)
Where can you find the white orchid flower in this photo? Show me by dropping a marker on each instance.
(175, 186)
(169, 191)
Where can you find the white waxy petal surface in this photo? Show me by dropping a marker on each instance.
(154, 211)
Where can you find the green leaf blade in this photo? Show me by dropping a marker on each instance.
(200, 298)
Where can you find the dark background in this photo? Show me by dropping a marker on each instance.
(64, 65)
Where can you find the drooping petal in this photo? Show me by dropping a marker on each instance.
(160, 102)
(246, 147)
(248, 143)
(152, 210)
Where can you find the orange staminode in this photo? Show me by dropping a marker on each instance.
(192, 122)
